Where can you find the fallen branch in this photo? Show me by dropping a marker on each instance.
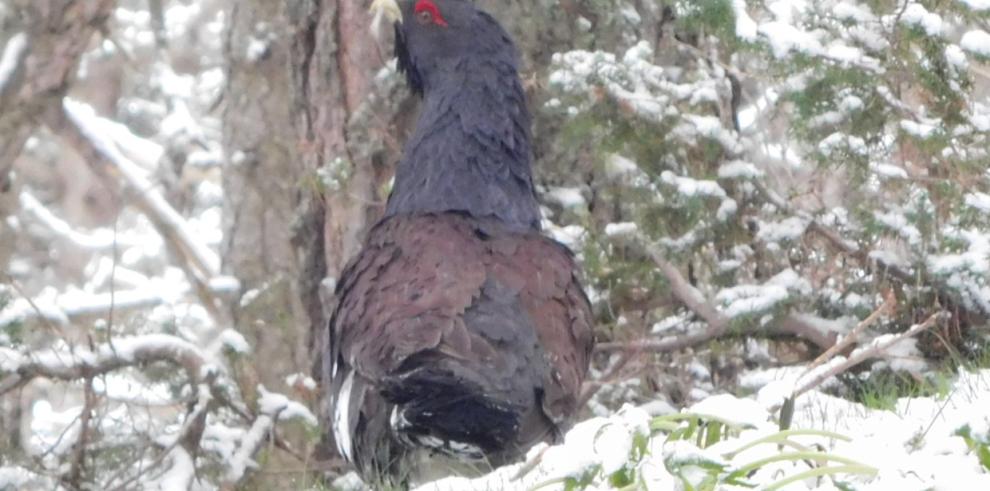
(875, 350)
(889, 304)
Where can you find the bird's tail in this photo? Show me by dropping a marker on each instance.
(440, 405)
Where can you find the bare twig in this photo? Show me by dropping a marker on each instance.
(78, 466)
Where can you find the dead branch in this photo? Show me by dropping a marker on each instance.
(877, 350)
(789, 325)
(101, 153)
(889, 304)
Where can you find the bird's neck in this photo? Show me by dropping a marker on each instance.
(470, 151)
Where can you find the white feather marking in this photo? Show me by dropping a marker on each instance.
(341, 417)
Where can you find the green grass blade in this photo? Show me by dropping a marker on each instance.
(823, 471)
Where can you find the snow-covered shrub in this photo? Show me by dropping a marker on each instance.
(797, 163)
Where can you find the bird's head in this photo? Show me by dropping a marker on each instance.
(433, 35)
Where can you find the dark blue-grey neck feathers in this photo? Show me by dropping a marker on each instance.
(470, 151)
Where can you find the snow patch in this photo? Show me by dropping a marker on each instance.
(10, 57)
(917, 15)
(979, 201)
(977, 42)
(746, 28)
(621, 229)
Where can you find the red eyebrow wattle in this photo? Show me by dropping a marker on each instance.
(431, 7)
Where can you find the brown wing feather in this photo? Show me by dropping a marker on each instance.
(407, 293)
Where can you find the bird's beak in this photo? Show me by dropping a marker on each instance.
(384, 10)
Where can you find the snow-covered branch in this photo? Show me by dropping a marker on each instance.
(95, 138)
(79, 362)
(695, 301)
(98, 135)
(99, 240)
(876, 349)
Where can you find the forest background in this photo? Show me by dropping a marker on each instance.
(782, 188)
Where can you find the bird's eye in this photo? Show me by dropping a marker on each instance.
(428, 13)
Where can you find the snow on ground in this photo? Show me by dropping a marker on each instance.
(918, 445)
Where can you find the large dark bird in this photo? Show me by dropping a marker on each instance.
(461, 334)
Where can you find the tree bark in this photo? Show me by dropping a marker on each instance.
(263, 183)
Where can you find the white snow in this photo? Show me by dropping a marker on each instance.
(301, 380)
(839, 140)
(235, 341)
(745, 26)
(567, 197)
(977, 42)
(738, 169)
(724, 406)
(956, 57)
(596, 446)
(977, 4)
(620, 167)
(889, 171)
(788, 229)
(240, 461)
(853, 12)
(748, 299)
(913, 446)
(621, 229)
(785, 38)
(901, 225)
(975, 259)
(689, 187)
(978, 200)
(11, 55)
(918, 129)
(917, 15)
(282, 408)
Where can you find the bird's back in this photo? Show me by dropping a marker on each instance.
(454, 336)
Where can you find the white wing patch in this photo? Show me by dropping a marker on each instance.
(342, 420)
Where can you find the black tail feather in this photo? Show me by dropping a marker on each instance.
(437, 407)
